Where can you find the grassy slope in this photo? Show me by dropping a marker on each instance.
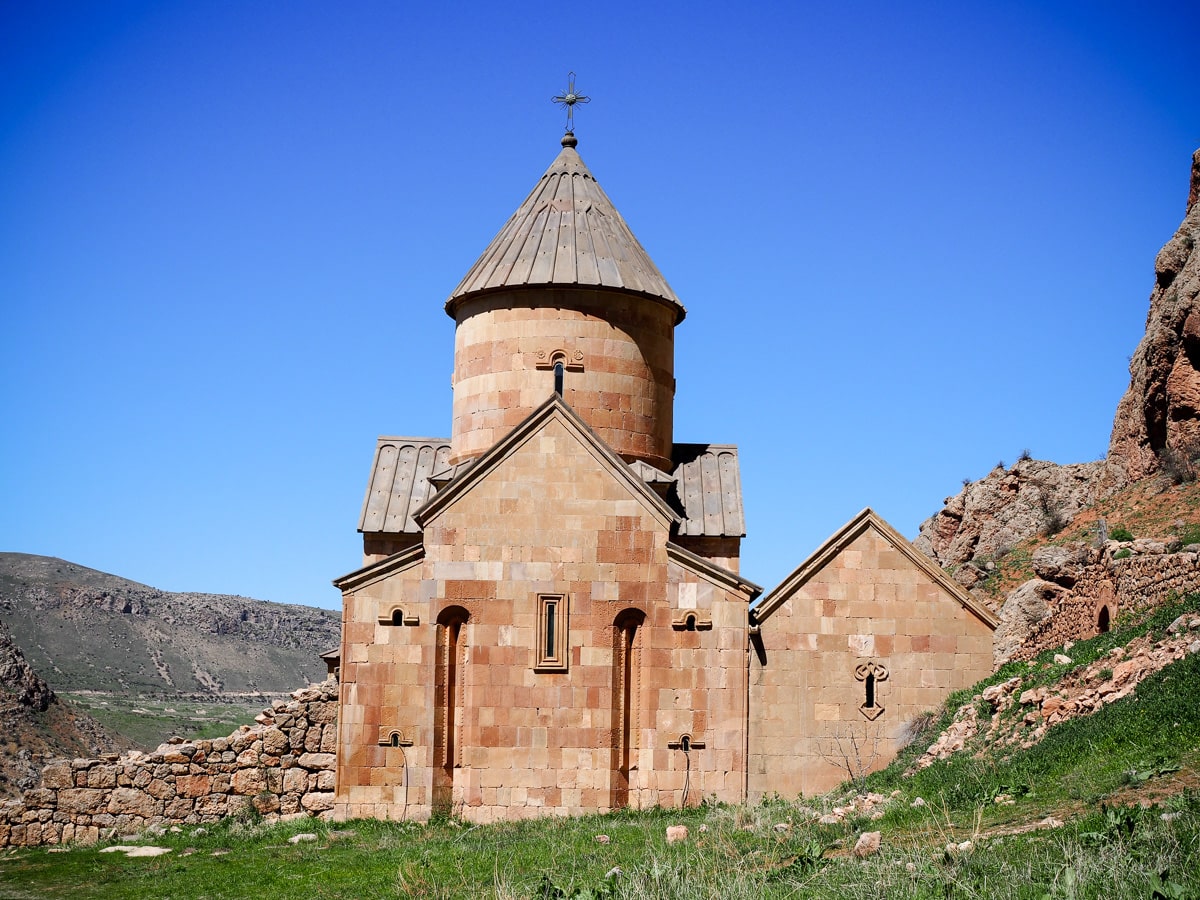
(1094, 774)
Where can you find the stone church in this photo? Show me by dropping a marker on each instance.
(550, 617)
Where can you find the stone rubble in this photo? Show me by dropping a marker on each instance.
(1082, 692)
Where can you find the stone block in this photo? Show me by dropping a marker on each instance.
(132, 802)
(58, 774)
(316, 801)
(247, 782)
(82, 801)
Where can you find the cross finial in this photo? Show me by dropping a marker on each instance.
(568, 99)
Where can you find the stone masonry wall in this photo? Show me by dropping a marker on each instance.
(1146, 579)
(281, 766)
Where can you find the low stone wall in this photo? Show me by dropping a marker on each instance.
(281, 766)
(1148, 578)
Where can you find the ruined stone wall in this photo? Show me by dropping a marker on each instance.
(283, 765)
(1146, 579)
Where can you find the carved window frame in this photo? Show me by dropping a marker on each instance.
(551, 653)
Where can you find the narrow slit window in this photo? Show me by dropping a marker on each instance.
(551, 647)
(559, 370)
(870, 702)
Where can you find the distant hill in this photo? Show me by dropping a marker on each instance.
(85, 630)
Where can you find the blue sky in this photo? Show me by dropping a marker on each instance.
(913, 240)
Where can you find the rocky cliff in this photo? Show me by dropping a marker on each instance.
(988, 517)
(1156, 430)
(1157, 426)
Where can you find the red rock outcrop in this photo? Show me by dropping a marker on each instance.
(1157, 425)
(987, 517)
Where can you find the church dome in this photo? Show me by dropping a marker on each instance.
(565, 282)
(566, 233)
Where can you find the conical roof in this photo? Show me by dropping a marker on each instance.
(567, 233)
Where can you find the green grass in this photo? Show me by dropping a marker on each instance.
(150, 720)
(1118, 853)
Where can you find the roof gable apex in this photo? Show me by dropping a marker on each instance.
(554, 409)
(840, 540)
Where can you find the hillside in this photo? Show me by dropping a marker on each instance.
(36, 724)
(85, 630)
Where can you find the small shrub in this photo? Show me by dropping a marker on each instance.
(1025, 455)
(1123, 553)
(1120, 533)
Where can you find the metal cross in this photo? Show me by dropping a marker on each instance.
(568, 99)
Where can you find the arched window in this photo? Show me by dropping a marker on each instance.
(1102, 620)
(559, 370)
(397, 617)
(689, 624)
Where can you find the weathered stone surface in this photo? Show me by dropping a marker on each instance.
(1030, 604)
(316, 761)
(275, 742)
(676, 833)
(867, 844)
(987, 517)
(131, 801)
(317, 801)
(57, 775)
(82, 800)
(248, 781)
(1061, 565)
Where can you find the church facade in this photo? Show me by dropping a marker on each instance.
(550, 618)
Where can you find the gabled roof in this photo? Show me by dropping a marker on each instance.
(706, 568)
(709, 489)
(404, 474)
(382, 568)
(553, 408)
(566, 233)
(841, 539)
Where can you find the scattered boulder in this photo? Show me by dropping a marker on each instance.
(1029, 605)
(676, 833)
(1061, 565)
(867, 844)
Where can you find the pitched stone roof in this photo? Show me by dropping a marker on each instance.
(400, 482)
(708, 484)
(705, 487)
(567, 233)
